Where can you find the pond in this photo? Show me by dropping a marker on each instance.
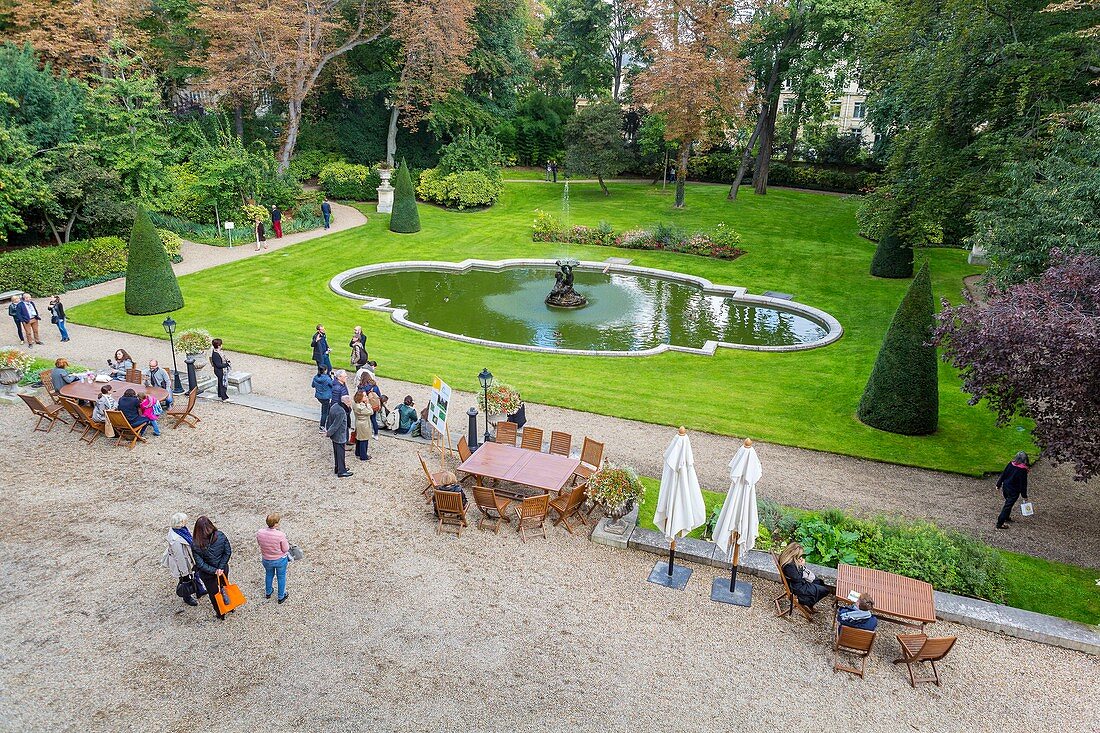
(629, 309)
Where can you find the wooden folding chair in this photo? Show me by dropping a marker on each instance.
(790, 597)
(81, 420)
(591, 459)
(849, 640)
(124, 430)
(449, 509)
(918, 648)
(506, 433)
(561, 443)
(185, 413)
(435, 479)
(45, 376)
(532, 439)
(532, 514)
(50, 413)
(134, 376)
(489, 504)
(568, 506)
(464, 454)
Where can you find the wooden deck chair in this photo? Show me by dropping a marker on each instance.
(124, 430)
(47, 384)
(561, 444)
(790, 597)
(449, 509)
(532, 439)
(82, 421)
(134, 376)
(568, 506)
(848, 640)
(531, 514)
(490, 504)
(918, 648)
(435, 479)
(185, 413)
(591, 459)
(506, 433)
(52, 414)
(464, 454)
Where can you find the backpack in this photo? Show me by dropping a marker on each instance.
(375, 403)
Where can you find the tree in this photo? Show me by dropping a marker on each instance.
(577, 35)
(622, 41)
(82, 190)
(893, 257)
(404, 218)
(49, 108)
(151, 286)
(500, 58)
(902, 395)
(22, 186)
(1031, 349)
(594, 142)
(696, 80)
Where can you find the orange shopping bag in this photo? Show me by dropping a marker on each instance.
(228, 596)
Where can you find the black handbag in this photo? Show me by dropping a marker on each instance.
(186, 587)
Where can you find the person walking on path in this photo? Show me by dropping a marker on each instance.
(1013, 485)
(57, 317)
(321, 351)
(179, 558)
(212, 551)
(221, 369)
(337, 431)
(326, 212)
(13, 311)
(261, 237)
(28, 316)
(273, 551)
(322, 390)
(277, 221)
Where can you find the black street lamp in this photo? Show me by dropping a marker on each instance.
(170, 328)
(486, 379)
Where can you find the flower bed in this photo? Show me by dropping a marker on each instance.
(720, 243)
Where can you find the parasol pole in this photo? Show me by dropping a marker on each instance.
(735, 536)
(672, 545)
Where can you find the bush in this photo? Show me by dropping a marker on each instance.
(461, 190)
(949, 561)
(546, 227)
(819, 178)
(349, 182)
(308, 163)
(902, 395)
(893, 257)
(471, 151)
(404, 218)
(151, 286)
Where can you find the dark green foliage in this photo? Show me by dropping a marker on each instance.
(893, 257)
(471, 151)
(151, 285)
(902, 395)
(404, 218)
(349, 181)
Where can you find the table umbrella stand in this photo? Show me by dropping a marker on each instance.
(669, 574)
(734, 593)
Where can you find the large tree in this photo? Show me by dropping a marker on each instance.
(594, 142)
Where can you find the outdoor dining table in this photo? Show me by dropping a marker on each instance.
(543, 471)
(905, 599)
(90, 390)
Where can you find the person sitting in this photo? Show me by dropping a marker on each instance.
(859, 616)
(120, 365)
(807, 587)
(105, 402)
(130, 406)
(158, 377)
(148, 407)
(426, 428)
(60, 376)
(406, 417)
(386, 419)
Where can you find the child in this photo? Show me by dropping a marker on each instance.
(147, 405)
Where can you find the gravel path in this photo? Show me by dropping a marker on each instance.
(389, 627)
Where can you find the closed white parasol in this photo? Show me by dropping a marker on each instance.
(680, 506)
(738, 523)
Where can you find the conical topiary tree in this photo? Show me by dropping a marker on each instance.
(151, 285)
(404, 217)
(893, 257)
(902, 395)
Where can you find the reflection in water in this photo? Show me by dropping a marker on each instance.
(624, 312)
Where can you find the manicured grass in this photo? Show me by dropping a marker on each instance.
(527, 173)
(796, 242)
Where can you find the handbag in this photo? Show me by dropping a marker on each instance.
(295, 553)
(228, 596)
(185, 588)
(1027, 509)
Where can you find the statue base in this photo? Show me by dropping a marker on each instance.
(385, 198)
(570, 299)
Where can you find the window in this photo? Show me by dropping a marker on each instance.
(835, 109)
(787, 85)
(859, 110)
(788, 106)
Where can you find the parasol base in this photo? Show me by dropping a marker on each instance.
(720, 592)
(677, 581)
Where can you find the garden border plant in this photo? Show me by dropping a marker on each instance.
(720, 243)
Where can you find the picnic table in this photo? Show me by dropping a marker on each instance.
(905, 599)
(542, 471)
(90, 390)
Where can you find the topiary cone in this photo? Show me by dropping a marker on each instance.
(902, 395)
(893, 257)
(404, 217)
(151, 285)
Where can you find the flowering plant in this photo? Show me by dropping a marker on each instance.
(15, 359)
(615, 486)
(193, 341)
(503, 400)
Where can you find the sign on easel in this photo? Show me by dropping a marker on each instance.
(437, 416)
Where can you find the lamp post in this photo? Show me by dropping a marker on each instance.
(486, 379)
(170, 328)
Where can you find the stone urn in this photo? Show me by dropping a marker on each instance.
(199, 360)
(9, 379)
(385, 191)
(615, 523)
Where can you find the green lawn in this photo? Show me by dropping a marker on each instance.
(796, 242)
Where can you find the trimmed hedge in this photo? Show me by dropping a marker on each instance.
(349, 181)
(404, 219)
(893, 257)
(309, 163)
(902, 395)
(720, 166)
(151, 286)
(461, 190)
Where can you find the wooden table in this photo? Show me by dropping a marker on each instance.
(906, 599)
(90, 390)
(542, 471)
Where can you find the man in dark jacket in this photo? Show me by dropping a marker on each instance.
(129, 406)
(27, 313)
(13, 311)
(1013, 485)
(277, 221)
(320, 348)
(337, 431)
(326, 211)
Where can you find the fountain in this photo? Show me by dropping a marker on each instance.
(563, 295)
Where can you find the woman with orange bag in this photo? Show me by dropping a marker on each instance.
(212, 552)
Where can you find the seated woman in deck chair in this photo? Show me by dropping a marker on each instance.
(859, 616)
(803, 583)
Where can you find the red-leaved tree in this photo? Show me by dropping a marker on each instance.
(1033, 349)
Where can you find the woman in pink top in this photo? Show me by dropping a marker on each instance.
(274, 548)
(146, 405)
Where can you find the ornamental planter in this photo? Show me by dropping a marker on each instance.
(9, 379)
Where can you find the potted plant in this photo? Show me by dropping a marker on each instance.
(503, 400)
(193, 343)
(617, 489)
(13, 365)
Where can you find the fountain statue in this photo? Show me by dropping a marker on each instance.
(563, 295)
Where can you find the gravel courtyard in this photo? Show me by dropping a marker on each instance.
(390, 627)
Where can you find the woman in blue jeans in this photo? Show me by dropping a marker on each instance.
(274, 549)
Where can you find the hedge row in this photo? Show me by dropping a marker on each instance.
(354, 182)
(720, 243)
(460, 190)
(721, 167)
(48, 270)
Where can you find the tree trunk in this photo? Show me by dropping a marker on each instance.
(789, 157)
(72, 221)
(681, 172)
(293, 124)
(764, 153)
(603, 185)
(238, 119)
(391, 137)
(745, 158)
(56, 236)
(617, 79)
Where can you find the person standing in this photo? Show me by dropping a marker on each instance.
(548, 171)
(322, 390)
(364, 416)
(221, 369)
(28, 316)
(147, 404)
(273, 552)
(179, 558)
(13, 311)
(554, 170)
(212, 551)
(337, 431)
(277, 221)
(261, 238)
(340, 394)
(57, 317)
(369, 387)
(326, 211)
(1013, 485)
(321, 351)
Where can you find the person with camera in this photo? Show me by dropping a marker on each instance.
(221, 369)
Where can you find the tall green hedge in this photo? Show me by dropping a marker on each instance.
(893, 257)
(404, 218)
(151, 286)
(902, 395)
